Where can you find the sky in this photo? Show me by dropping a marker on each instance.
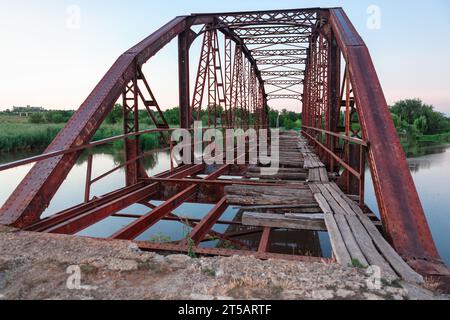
(54, 52)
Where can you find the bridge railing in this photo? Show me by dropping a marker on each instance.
(362, 96)
(320, 137)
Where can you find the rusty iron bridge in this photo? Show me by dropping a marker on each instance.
(314, 56)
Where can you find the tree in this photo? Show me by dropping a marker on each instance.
(36, 118)
(116, 115)
(421, 124)
(416, 113)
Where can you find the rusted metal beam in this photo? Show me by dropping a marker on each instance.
(264, 243)
(279, 52)
(146, 246)
(145, 222)
(33, 194)
(73, 223)
(202, 228)
(224, 182)
(402, 212)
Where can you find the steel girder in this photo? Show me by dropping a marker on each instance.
(403, 216)
(283, 82)
(34, 193)
(402, 213)
(272, 30)
(280, 52)
(277, 40)
(281, 62)
(284, 96)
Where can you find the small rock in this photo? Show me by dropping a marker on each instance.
(219, 273)
(159, 259)
(372, 297)
(203, 297)
(293, 294)
(342, 293)
(133, 247)
(122, 265)
(415, 292)
(398, 297)
(323, 295)
(178, 261)
(396, 291)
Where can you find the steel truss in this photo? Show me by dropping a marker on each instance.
(230, 89)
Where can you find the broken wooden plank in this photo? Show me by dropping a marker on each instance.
(257, 219)
(397, 263)
(312, 216)
(337, 243)
(280, 195)
(362, 237)
(344, 228)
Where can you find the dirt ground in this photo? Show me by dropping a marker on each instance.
(40, 266)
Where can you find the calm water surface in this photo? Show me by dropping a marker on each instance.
(430, 172)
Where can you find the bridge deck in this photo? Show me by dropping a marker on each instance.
(302, 195)
(302, 187)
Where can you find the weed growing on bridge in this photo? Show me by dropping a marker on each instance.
(160, 238)
(357, 264)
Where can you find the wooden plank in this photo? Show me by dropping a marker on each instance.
(243, 195)
(399, 265)
(312, 216)
(361, 236)
(344, 228)
(256, 219)
(279, 176)
(323, 175)
(337, 242)
(314, 188)
(300, 206)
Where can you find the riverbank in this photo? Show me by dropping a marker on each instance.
(36, 266)
(18, 135)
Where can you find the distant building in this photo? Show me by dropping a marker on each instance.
(27, 111)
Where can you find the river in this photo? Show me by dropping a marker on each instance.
(431, 173)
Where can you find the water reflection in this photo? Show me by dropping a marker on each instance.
(431, 174)
(71, 193)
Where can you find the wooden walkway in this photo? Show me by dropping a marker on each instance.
(303, 197)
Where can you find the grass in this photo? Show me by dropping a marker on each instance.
(436, 138)
(17, 134)
(357, 264)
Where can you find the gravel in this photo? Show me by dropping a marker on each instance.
(42, 266)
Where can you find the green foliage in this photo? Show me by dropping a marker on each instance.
(58, 116)
(209, 272)
(413, 117)
(36, 118)
(191, 248)
(160, 238)
(15, 137)
(287, 119)
(115, 116)
(357, 264)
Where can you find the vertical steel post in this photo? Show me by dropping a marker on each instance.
(184, 40)
(131, 124)
(87, 190)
